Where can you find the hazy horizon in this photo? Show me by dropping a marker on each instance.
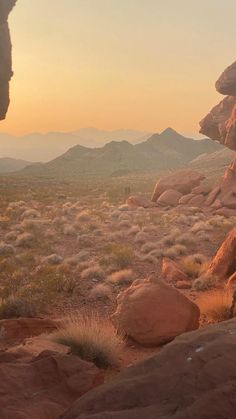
(148, 65)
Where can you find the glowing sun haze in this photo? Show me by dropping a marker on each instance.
(142, 64)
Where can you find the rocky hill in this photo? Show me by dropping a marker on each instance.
(163, 151)
(8, 165)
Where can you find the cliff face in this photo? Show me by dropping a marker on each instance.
(5, 56)
(220, 125)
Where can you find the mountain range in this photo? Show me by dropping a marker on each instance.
(38, 147)
(168, 150)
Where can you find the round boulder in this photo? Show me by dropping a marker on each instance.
(153, 313)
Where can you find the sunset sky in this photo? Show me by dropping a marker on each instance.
(141, 64)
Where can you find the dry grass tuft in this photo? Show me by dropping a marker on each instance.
(15, 307)
(216, 306)
(92, 338)
(125, 276)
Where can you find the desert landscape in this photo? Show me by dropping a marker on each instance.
(118, 268)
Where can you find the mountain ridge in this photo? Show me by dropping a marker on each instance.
(168, 150)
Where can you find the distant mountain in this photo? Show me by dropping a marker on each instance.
(168, 150)
(44, 147)
(9, 165)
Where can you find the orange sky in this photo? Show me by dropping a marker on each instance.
(141, 64)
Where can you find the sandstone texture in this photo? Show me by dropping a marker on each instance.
(5, 56)
(192, 377)
(223, 264)
(45, 386)
(220, 125)
(153, 313)
(172, 272)
(182, 181)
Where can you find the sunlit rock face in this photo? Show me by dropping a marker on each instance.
(220, 125)
(5, 56)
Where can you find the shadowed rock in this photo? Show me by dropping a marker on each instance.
(5, 56)
(192, 377)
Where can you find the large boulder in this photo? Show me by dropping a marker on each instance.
(153, 313)
(45, 386)
(226, 84)
(191, 378)
(220, 125)
(182, 181)
(223, 264)
(5, 56)
(169, 198)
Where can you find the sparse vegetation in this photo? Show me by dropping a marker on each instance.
(92, 338)
(216, 306)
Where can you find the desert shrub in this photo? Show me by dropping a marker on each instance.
(93, 272)
(124, 224)
(84, 217)
(6, 249)
(201, 226)
(123, 277)
(149, 258)
(91, 338)
(194, 265)
(133, 230)
(24, 240)
(175, 251)
(53, 259)
(69, 230)
(216, 306)
(119, 255)
(205, 282)
(31, 213)
(11, 236)
(148, 247)
(14, 307)
(100, 291)
(187, 239)
(141, 238)
(201, 236)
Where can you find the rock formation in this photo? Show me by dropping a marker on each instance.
(192, 377)
(153, 313)
(220, 125)
(5, 56)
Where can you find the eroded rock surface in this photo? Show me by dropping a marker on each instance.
(5, 56)
(223, 264)
(153, 313)
(182, 181)
(192, 377)
(45, 386)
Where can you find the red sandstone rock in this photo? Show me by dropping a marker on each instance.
(139, 201)
(185, 199)
(197, 201)
(201, 189)
(226, 84)
(153, 313)
(169, 197)
(19, 329)
(172, 272)
(191, 378)
(232, 281)
(5, 56)
(44, 387)
(223, 264)
(183, 181)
